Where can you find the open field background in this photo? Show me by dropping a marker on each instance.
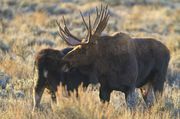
(27, 26)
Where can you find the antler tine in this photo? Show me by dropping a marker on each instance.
(67, 36)
(90, 29)
(65, 26)
(60, 29)
(61, 33)
(101, 8)
(104, 14)
(67, 32)
(87, 27)
(104, 17)
(84, 20)
(97, 18)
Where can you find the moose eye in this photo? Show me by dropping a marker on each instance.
(82, 50)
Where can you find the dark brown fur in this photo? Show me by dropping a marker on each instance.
(123, 63)
(51, 72)
(119, 62)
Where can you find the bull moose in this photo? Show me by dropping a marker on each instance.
(52, 71)
(119, 61)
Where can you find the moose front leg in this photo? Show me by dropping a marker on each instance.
(104, 94)
(131, 98)
(53, 89)
(38, 91)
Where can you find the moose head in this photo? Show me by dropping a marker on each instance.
(87, 48)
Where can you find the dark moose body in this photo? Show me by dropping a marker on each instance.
(118, 61)
(52, 73)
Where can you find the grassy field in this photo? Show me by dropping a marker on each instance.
(26, 27)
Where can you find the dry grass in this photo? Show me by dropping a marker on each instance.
(160, 22)
(88, 106)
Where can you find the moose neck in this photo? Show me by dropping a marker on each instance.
(111, 49)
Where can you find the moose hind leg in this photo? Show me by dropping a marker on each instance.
(159, 79)
(148, 95)
(37, 95)
(158, 86)
(53, 89)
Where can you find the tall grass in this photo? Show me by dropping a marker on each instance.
(88, 106)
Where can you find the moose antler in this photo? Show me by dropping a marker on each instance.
(101, 20)
(98, 26)
(66, 35)
(99, 23)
